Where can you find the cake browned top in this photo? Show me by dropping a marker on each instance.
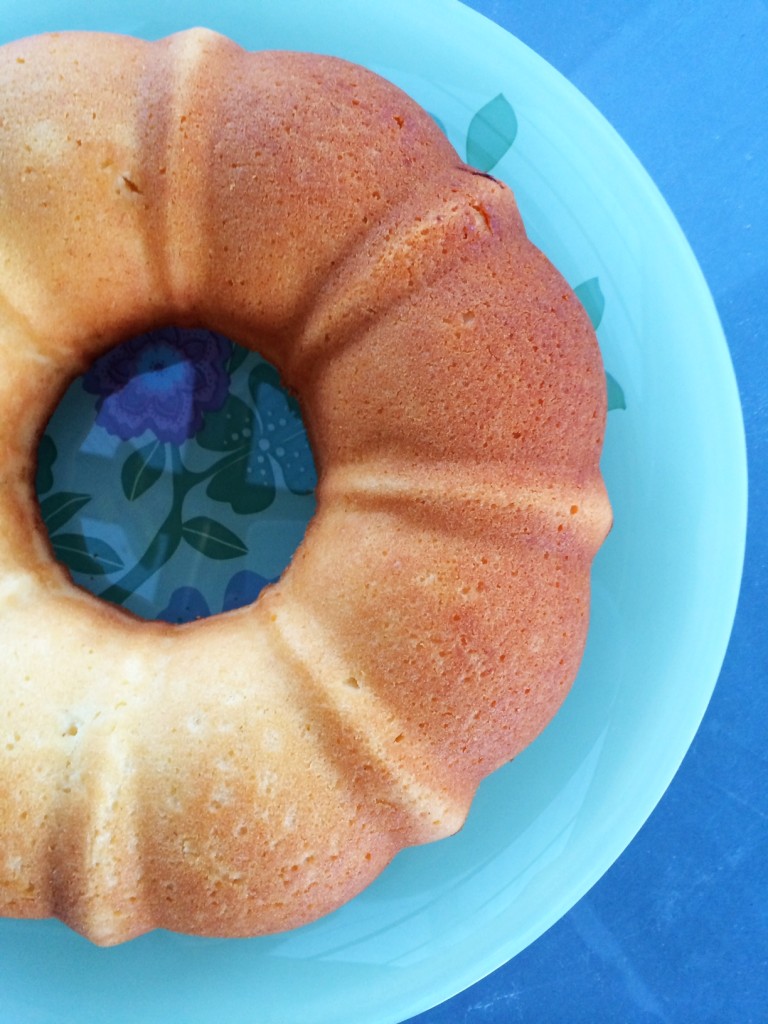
(250, 772)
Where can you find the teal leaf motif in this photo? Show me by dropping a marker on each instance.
(57, 509)
(162, 547)
(212, 539)
(616, 399)
(229, 428)
(247, 485)
(591, 297)
(87, 555)
(142, 469)
(237, 358)
(490, 134)
(46, 456)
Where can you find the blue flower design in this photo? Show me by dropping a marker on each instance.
(185, 605)
(188, 603)
(282, 436)
(244, 587)
(263, 439)
(163, 381)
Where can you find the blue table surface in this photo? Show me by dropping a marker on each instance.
(677, 930)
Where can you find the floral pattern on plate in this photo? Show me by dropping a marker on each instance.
(205, 475)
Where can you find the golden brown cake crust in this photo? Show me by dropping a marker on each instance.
(250, 772)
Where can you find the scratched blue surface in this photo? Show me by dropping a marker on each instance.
(677, 931)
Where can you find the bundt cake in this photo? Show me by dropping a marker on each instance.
(252, 771)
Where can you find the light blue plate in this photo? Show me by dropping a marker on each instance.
(545, 828)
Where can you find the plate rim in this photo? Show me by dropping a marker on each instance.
(481, 28)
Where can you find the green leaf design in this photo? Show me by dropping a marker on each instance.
(142, 469)
(161, 549)
(616, 399)
(212, 538)
(246, 485)
(238, 357)
(57, 509)
(490, 134)
(87, 555)
(591, 297)
(46, 456)
(163, 545)
(228, 429)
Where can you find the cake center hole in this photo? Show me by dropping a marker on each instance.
(175, 477)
